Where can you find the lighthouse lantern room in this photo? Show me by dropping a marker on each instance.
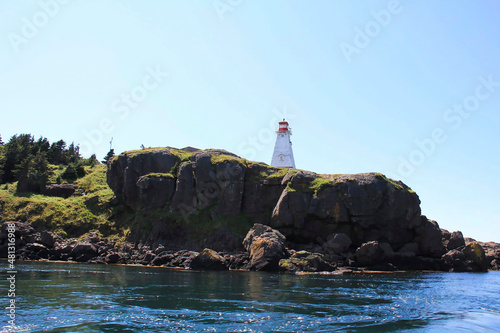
(283, 154)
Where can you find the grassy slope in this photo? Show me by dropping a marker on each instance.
(70, 217)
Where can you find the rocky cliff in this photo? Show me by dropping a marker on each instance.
(214, 210)
(204, 197)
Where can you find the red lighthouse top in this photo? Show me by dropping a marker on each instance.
(283, 126)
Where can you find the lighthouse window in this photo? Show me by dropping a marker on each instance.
(282, 157)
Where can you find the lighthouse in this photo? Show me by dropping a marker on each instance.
(283, 154)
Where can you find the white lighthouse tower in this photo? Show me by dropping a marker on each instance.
(283, 154)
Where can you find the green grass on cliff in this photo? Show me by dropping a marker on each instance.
(70, 217)
(397, 186)
(221, 158)
(159, 175)
(181, 154)
(319, 184)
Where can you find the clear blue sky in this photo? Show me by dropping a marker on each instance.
(410, 89)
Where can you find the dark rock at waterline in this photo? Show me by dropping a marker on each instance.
(83, 252)
(369, 254)
(208, 260)
(469, 258)
(303, 261)
(475, 253)
(337, 243)
(183, 258)
(266, 247)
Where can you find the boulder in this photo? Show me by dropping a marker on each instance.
(429, 238)
(492, 252)
(83, 252)
(112, 258)
(266, 247)
(37, 249)
(337, 243)
(162, 258)
(369, 254)
(470, 258)
(475, 253)
(183, 258)
(303, 261)
(47, 239)
(455, 240)
(59, 190)
(208, 260)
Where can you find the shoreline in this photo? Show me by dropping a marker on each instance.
(263, 249)
(338, 272)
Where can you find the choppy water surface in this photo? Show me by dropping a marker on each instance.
(63, 297)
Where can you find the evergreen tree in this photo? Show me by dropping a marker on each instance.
(34, 175)
(92, 161)
(42, 145)
(56, 152)
(1, 142)
(18, 152)
(72, 154)
(109, 156)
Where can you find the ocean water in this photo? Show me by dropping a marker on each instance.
(71, 297)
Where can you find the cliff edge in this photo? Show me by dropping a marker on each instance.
(211, 198)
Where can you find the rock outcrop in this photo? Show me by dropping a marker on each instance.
(194, 208)
(303, 261)
(209, 260)
(266, 247)
(367, 219)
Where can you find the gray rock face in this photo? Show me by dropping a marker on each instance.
(365, 207)
(261, 193)
(155, 191)
(266, 247)
(184, 199)
(125, 171)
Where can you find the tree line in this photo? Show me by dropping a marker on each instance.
(24, 157)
